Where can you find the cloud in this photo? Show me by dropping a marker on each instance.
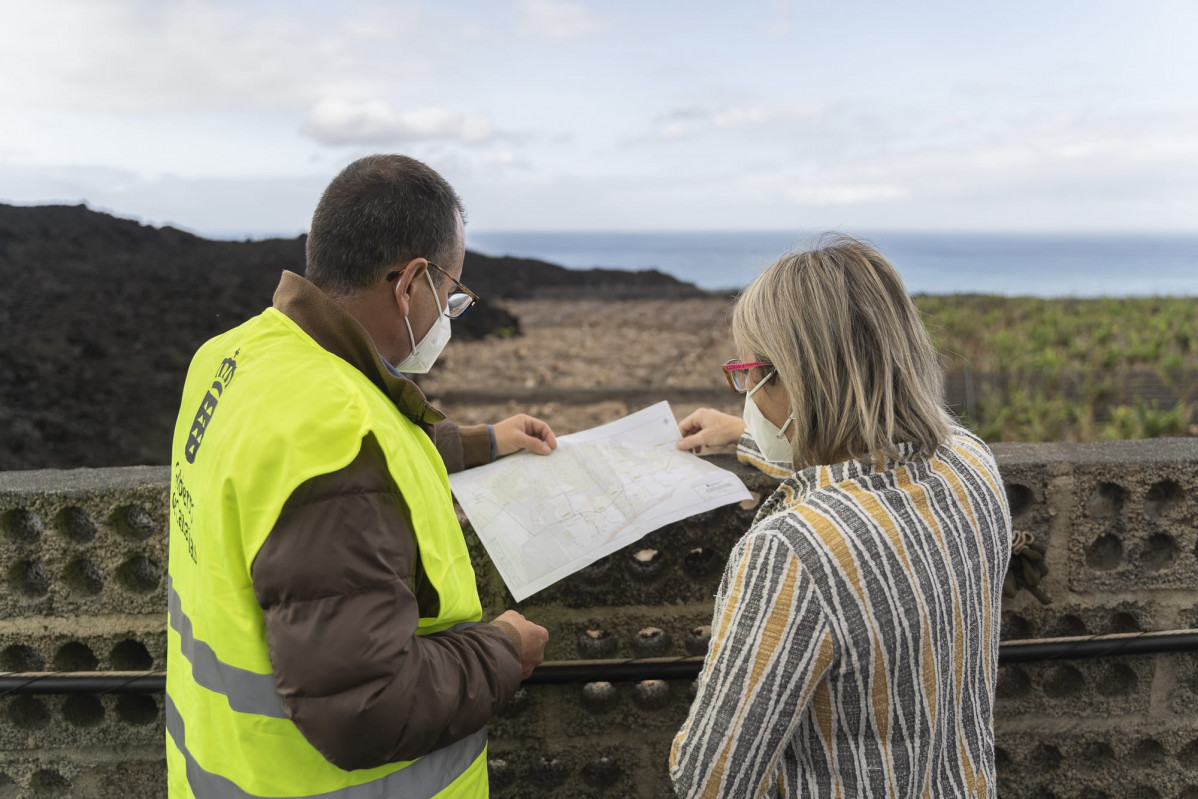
(336, 121)
(143, 56)
(844, 194)
(558, 21)
(688, 122)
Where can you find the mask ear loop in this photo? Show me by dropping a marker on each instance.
(753, 390)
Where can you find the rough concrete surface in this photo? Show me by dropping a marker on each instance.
(83, 554)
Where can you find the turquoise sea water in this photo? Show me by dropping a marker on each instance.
(1012, 264)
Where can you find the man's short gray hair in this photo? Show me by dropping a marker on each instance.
(379, 213)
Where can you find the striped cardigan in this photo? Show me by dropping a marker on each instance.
(854, 647)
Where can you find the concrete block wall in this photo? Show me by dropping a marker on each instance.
(83, 558)
(83, 554)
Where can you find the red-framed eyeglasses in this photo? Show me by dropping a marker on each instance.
(738, 373)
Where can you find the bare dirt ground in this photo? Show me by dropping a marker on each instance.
(577, 357)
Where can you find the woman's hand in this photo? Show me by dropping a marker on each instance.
(707, 427)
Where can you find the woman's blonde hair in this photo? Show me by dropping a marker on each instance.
(850, 350)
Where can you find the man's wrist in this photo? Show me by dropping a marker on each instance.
(494, 447)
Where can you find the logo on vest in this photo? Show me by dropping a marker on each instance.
(224, 376)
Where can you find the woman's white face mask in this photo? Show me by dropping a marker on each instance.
(424, 355)
(769, 439)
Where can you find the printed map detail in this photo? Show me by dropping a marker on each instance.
(542, 518)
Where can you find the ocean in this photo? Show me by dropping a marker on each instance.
(1041, 265)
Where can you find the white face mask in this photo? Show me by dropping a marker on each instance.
(769, 439)
(424, 355)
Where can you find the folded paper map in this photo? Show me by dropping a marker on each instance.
(542, 518)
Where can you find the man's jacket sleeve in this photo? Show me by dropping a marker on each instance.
(341, 588)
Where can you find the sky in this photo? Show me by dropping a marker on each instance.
(229, 118)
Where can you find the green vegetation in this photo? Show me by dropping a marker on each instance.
(1027, 369)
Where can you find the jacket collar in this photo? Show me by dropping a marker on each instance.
(330, 326)
(795, 490)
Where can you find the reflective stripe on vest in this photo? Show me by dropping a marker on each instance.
(421, 779)
(247, 691)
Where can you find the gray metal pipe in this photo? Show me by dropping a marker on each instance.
(631, 670)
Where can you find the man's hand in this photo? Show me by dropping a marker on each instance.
(533, 638)
(709, 428)
(523, 432)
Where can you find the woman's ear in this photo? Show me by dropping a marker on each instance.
(405, 285)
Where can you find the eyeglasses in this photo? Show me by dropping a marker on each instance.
(460, 300)
(738, 373)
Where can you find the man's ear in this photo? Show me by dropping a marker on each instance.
(405, 284)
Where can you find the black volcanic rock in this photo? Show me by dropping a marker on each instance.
(99, 318)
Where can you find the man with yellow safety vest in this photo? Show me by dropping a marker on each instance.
(325, 634)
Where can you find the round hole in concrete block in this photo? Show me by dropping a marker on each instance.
(29, 579)
(1019, 498)
(1013, 683)
(1117, 679)
(1146, 753)
(597, 645)
(700, 561)
(83, 577)
(8, 786)
(75, 656)
(548, 772)
(49, 783)
(517, 704)
(1044, 757)
(75, 524)
(1188, 755)
(133, 522)
(599, 696)
(698, 639)
(19, 657)
(1015, 627)
(1067, 626)
(21, 526)
(645, 564)
(1188, 792)
(139, 574)
(651, 642)
(136, 709)
(1106, 500)
(1160, 551)
(28, 712)
(130, 655)
(1044, 792)
(1143, 792)
(501, 774)
(602, 772)
(83, 710)
(1125, 623)
(1105, 553)
(1062, 681)
(1164, 497)
(1094, 793)
(1001, 758)
(651, 694)
(1097, 753)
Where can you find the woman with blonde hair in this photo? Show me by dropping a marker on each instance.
(854, 646)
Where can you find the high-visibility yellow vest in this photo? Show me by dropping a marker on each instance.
(264, 409)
